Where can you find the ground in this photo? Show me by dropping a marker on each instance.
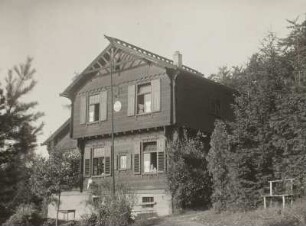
(175, 220)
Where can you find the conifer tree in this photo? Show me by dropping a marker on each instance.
(18, 133)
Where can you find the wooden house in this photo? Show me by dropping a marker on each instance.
(150, 98)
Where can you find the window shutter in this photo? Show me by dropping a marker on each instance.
(161, 155)
(103, 105)
(108, 162)
(87, 161)
(131, 100)
(116, 162)
(155, 95)
(128, 161)
(137, 161)
(83, 109)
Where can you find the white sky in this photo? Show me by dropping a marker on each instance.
(64, 36)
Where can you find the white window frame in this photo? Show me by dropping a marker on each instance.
(149, 108)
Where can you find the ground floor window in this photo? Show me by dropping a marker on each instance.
(150, 157)
(98, 166)
(97, 161)
(148, 202)
(122, 162)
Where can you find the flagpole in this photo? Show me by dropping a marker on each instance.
(112, 123)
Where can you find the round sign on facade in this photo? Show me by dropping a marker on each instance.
(117, 106)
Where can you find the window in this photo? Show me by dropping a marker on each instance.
(94, 108)
(148, 202)
(144, 98)
(122, 162)
(97, 161)
(97, 166)
(150, 157)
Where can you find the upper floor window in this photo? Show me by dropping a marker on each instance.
(94, 108)
(144, 98)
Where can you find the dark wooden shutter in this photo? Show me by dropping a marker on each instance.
(87, 161)
(116, 162)
(161, 155)
(128, 161)
(103, 105)
(108, 162)
(83, 108)
(131, 100)
(137, 162)
(155, 95)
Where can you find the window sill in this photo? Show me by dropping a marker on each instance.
(92, 123)
(152, 174)
(97, 176)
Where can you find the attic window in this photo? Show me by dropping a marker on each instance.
(144, 99)
(94, 108)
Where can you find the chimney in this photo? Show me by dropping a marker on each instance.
(177, 59)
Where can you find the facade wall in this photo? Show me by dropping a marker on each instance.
(123, 122)
(127, 144)
(77, 201)
(71, 200)
(196, 100)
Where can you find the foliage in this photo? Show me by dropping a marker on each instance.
(58, 173)
(188, 178)
(26, 214)
(228, 76)
(291, 216)
(267, 140)
(18, 133)
(109, 209)
(220, 162)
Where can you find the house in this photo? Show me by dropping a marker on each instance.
(150, 99)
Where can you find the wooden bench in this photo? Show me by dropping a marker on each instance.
(272, 196)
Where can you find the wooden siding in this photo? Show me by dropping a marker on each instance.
(193, 102)
(123, 122)
(126, 144)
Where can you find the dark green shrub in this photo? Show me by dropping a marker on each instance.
(188, 178)
(25, 215)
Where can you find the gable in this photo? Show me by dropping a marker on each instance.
(120, 55)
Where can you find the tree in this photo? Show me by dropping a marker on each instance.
(268, 136)
(188, 178)
(219, 161)
(18, 133)
(58, 173)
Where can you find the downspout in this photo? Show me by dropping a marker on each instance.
(177, 72)
(71, 117)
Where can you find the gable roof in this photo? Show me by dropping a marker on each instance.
(57, 132)
(101, 63)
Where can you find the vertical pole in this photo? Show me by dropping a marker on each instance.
(271, 188)
(265, 202)
(284, 201)
(112, 119)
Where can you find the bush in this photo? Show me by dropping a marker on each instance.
(108, 209)
(188, 178)
(25, 215)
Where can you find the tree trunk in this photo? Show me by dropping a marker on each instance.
(57, 209)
